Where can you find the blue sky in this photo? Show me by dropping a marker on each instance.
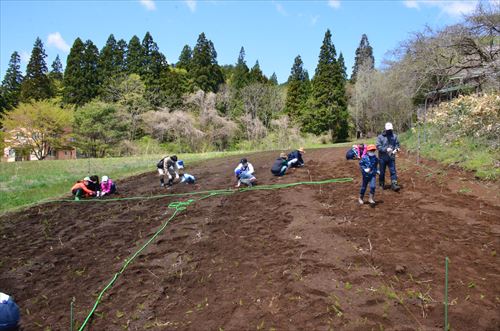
(273, 32)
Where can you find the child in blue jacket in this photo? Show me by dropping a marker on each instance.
(368, 165)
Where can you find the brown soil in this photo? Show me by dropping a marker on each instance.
(304, 258)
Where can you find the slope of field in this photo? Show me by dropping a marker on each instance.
(303, 258)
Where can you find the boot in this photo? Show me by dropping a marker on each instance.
(382, 185)
(360, 200)
(370, 199)
(394, 186)
(162, 183)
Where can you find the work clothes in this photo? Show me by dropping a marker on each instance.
(295, 159)
(368, 166)
(279, 167)
(108, 187)
(80, 190)
(244, 168)
(188, 179)
(387, 158)
(9, 313)
(168, 167)
(356, 152)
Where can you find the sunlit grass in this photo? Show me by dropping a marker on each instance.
(26, 183)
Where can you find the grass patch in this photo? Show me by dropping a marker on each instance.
(25, 183)
(465, 152)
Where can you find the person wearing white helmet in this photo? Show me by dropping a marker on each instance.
(107, 186)
(9, 313)
(388, 146)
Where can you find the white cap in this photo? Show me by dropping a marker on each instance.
(388, 126)
(4, 297)
(87, 178)
(105, 178)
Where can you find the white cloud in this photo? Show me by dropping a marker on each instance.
(280, 8)
(55, 39)
(191, 5)
(334, 3)
(314, 19)
(411, 4)
(25, 57)
(452, 8)
(148, 4)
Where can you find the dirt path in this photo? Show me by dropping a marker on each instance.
(305, 258)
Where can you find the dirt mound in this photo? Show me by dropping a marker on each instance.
(303, 258)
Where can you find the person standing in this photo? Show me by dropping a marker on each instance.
(368, 165)
(168, 167)
(388, 146)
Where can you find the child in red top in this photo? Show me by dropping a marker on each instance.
(80, 189)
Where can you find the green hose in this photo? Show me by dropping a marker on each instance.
(178, 207)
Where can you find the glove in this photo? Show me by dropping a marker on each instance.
(389, 150)
(367, 170)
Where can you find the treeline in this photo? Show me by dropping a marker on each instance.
(430, 66)
(127, 92)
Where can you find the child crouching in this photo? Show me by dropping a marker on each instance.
(368, 165)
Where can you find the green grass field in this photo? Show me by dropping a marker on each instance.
(468, 153)
(26, 183)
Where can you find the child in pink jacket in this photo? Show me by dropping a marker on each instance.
(107, 186)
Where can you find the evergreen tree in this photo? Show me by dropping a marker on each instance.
(256, 75)
(364, 53)
(81, 77)
(36, 84)
(185, 58)
(73, 74)
(297, 90)
(240, 77)
(57, 69)
(11, 84)
(274, 79)
(154, 71)
(134, 56)
(91, 72)
(120, 56)
(328, 111)
(342, 67)
(56, 76)
(205, 70)
(108, 61)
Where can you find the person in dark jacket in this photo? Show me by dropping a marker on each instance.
(388, 146)
(368, 165)
(168, 167)
(94, 185)
(356, 152)
(9, 313)
(280, 165)
(295, 158)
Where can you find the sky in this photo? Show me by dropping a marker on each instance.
(272, 32)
